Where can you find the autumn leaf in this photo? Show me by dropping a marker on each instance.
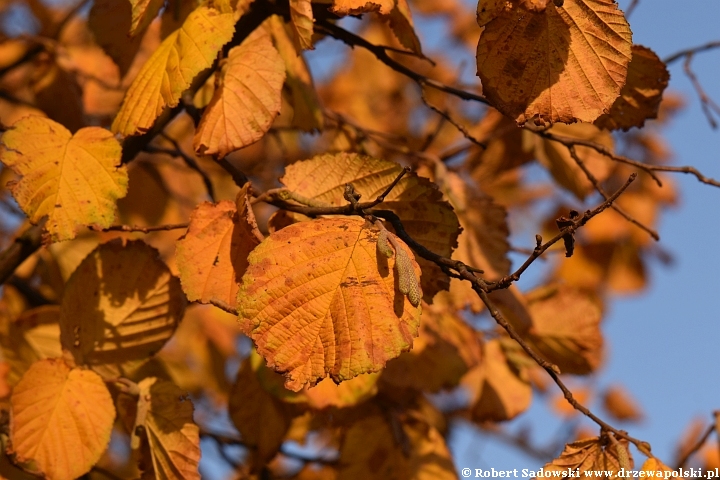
(657, 468)
(143, 12)
(618, 402)
(166, 417)
(427, 218)
(61, 418)
(169, 72)
(318, 300)
(498, 392)
(120, 306)
(74, 180)
(301, 18)
(110, 22)
(592, 455)
(247, 98)
(212, 256)
(347, 394)
(564, 64)
(443, 352)
(375, 447)
(566, 328)
(33, 336)
(640, 98)
(395, 12)
(307, 110)
(261, 418)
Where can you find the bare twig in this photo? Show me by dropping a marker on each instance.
(136, 228)
(189, 161)
(690, 51)
(706, 103)
(629, 10)
(601, 191)
(697, 446)
(446, 115)
(23, 246)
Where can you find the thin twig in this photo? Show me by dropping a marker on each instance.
(601, 191)
(706, 103)
(690, 51)
(697, 446)
(189, 161)
(21, 248)
(136, 228)
(629, 10)
(446, 115)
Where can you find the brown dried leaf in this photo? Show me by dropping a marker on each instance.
(591, 455)
(565, 64)
(618, 402)
(640, 98)
(111, 21)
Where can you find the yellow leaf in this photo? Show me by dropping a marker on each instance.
(564, 169)
(566, 328)
(166, 414)
(248, 99)
(349, 393)
(640, 98)
(497, 390)
(143, 12)
(373, 447)
(565, 64)
(261, 418)
(110, 21)
(119, 307)
(318, 300)
(591, 455)
(212, 256)
(396, 12)
(61, 418)
(307, 110)
(34, 336)
(654, 465)
(301, 16)
(74, 180)
(169, 72)
(427, 218)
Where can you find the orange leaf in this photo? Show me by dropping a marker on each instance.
(119, 307)
(143, 12)
(592, 455)
(640, 98)
(166, 414)
(319, 299)
(301, 16)
(74, 180)
(566, 328)
(565, 64)
(621, 405)
(248, 99)
(61, 418)
(427, 218)
(169, 72)
(110, 21)
(212, 256)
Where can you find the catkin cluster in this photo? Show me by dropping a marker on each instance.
(408, 282)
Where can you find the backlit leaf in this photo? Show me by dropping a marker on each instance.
(212, 256)
(566, 328)
(120, 306)
(564, 64)
(640, 98)
(301, 17)
(618, 402)
(498, 392)
(74, 180)
(318, 300)
(169, 72)
(110, 22)
(427, 218)
(62, 418)
(590, 455)
(374, 447)
(247, 99)
(166, 414)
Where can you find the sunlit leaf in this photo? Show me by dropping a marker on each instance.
(640, 97)
(427, 218)
(301, 17)
(565, 64)
(591, 455)
(318, 300)
(62, 418)
(74, 180)
(618, 402)
(212, 255)
(143, 12)
(247, 98)
(120, 306)
(166, 415)
(172, 68)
